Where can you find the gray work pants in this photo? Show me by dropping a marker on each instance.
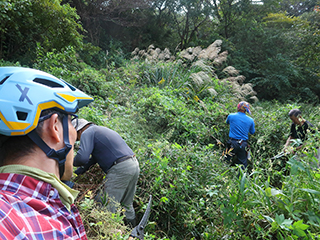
(120, 186)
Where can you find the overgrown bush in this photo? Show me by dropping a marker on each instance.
(179, 142)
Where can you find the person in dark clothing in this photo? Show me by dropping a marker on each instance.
(106, 147)
(299, 128)
(240, 127)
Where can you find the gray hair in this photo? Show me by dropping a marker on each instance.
(294, 112)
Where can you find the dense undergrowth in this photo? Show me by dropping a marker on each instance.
(178, 131)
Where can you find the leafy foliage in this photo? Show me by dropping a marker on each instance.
(25, 23)
(180, 143)
(177, 128)
(272, 43)
(297, 8)
(269, 58)
(67, 65)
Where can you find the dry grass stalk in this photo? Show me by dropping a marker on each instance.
(204, 76)
(221, 58)
(212, 91)
(240, 79)
(186, 55)
(230, 79)
(254, 99)
(211, 51)
(231, 71)
(241, 91)
(205, 67)
(197, 80)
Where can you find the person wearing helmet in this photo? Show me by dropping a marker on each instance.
(99, 144)
(240, 127)
(36, 154)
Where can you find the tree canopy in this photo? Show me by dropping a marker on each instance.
(275, 46)
(24, 23)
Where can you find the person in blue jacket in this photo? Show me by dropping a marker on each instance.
(240, 127)
(102, 145)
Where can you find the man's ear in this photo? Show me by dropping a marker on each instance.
(53, 128)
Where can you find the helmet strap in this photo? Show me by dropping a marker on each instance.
(61, 154)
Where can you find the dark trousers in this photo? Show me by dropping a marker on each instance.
(236, 151)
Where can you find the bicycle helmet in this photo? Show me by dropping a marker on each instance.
(25, 93)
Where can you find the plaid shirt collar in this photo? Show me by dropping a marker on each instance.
(67, 195)
(33, 208)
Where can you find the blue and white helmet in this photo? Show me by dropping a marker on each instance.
(25, 92)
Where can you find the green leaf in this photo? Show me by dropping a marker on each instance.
(164, 199)
(242, 183)
(271, 220)
(275, 192)
(274, 225)
(298, 228)
(279, 218)
(310, 191)
(283, 223)
(268, 192)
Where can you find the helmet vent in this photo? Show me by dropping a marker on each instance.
(47, 83)
(3, 80)
(22, 115)
(70, 86)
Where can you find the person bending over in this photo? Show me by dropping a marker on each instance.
(99, 144)
(299, 128)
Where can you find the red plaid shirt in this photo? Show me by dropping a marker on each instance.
(32, 209)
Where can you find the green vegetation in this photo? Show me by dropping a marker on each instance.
(172, 113)
(178, 133)
(274, 44)
(179, 143)
(24, 23)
